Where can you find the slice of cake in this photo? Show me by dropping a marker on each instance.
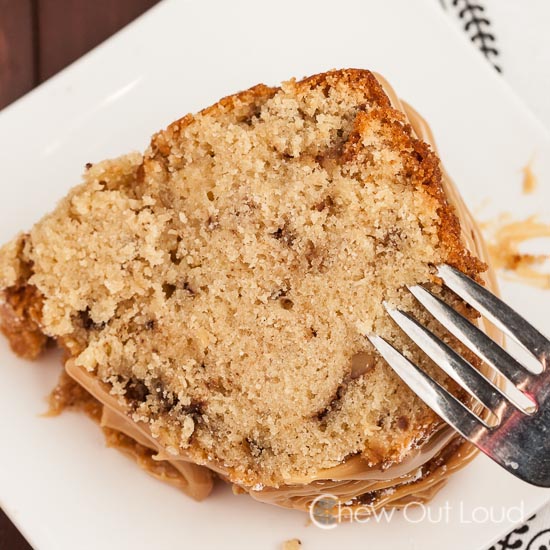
(213, 295)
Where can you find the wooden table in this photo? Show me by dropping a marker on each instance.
(37, 39)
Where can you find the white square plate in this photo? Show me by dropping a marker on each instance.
(58, 482)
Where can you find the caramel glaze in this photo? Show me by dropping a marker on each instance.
(505, 237)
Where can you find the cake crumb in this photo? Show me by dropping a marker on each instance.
(294, 544)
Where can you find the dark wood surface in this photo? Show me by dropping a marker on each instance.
(17, 67)
(66, 34)
(40, 37)
(37, 39)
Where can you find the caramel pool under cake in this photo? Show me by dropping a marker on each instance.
(212, 296)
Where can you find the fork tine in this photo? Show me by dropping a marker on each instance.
(502, 315)
(448, 407)
(460, 370)
(474, 338)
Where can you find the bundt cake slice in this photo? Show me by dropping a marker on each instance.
(214, 294)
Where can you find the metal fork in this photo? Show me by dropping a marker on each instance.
(520, 440)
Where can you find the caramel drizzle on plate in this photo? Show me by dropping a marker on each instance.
(505, 236)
